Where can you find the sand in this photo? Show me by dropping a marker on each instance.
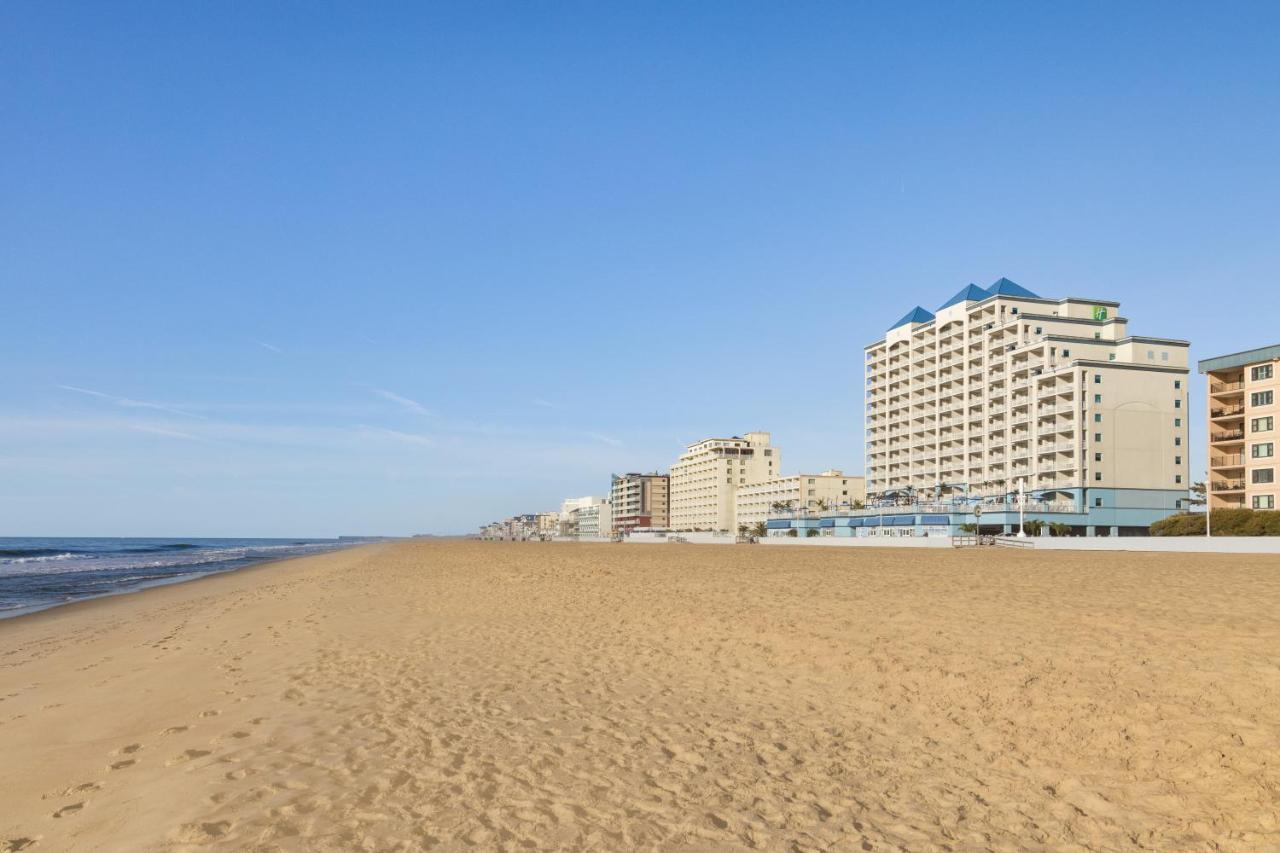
(455, 696)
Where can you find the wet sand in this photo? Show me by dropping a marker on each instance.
(455, 696)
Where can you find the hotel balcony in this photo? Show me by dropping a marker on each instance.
(1226, 486)
(1230, 436)
(1228, 461)
(1228, 389)
(1226, 412)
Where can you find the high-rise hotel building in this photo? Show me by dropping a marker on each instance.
(1000, 388)
(1244, 408)
(706, 477)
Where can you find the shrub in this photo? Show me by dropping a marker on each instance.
(1225, 522)
(812, 531)
(1033, 526)
(1059, 528)
(793, 532)
(1182, 524)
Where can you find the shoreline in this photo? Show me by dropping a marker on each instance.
(163, 585)
(160, 583)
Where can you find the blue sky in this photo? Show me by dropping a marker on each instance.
(308, 269)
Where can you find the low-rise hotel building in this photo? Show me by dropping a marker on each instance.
(830, 490)
(1242, 392)
(708, 474)
(640, 500)
(593, 521)
(568, 512)
(1001, 389)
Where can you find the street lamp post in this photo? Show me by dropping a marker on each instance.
(1022, 508)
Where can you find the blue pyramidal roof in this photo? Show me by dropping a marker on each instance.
(971, 293)
(1004, 287)
(915, 315)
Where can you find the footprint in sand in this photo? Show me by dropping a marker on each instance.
(175, 730)
(210, 713)
(68, 810)
(188, 755)
(120, 765)
(128, 750)
(13, 845)
(75, 789)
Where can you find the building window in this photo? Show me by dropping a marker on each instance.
(1177, 478)
(1260, 372)
(1164, 356)
(1151, 355)
(1097, 336)
(1111, 357)
(1261, 424)
(1177, 404)
(1264, 502)
(1261, 398)
(1097, 475)
(1177, 422)
(1177, 460)
(1039, 330)
(1264, 475)
(1097, 417)
(1177, 441)
(1263, 451)
(1177, 384)
(1097, 379)
(1097, 436)
(1066, 353)
(1097, 398)
(1097, 457)
(1097, 501)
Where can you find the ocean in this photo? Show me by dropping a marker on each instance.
(38, 573)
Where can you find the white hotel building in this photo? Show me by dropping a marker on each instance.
(1001, 387)
(706, 477)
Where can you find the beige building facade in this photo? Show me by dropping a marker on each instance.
(1243, 393)
(1001, 388)
(640, 500)
(830, 490)
(707, 476)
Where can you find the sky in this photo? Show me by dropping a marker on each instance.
(337, 268)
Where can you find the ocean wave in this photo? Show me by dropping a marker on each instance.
(46, 556)
(33, 552)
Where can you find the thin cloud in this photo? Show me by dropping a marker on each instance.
(397, 435)
(168, 433)
(412, 405)
(268, 346)
(132, 404)
(612, 442)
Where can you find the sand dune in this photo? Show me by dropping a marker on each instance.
(456, 696)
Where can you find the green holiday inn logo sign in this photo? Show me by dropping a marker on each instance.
(1099, 312)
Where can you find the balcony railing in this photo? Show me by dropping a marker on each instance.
(1228, 485)
(1236, 461)
(1228, 435)
(1226, 411)
(1226, 387)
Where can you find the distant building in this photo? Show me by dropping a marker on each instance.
(640, 500)
(548, 524)
(829, 490)
(1242, 393)
(708, 474)
(570, 519)
(593, 520)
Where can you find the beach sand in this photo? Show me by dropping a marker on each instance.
(457, 695)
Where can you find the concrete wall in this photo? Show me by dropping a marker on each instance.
(862, 542)
(1170, 544)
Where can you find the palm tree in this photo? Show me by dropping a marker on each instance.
(857, 504)
(761, 529)
(822, 504)
(742, 529)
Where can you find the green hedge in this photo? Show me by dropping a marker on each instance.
(1226, 522)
